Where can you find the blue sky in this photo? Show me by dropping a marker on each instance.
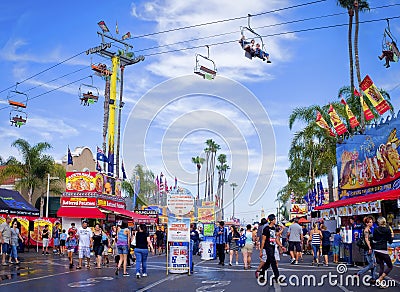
(307, 68)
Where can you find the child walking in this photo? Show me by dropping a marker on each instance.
(337, 239)
(71, 244)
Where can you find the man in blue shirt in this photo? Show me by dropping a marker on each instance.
(221, 241)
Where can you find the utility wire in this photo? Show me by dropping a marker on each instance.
(269, 35)
(265, 26)
(45, 70)
(54, 89)
(55, 79)
(226, 20)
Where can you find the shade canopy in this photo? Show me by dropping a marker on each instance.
(12, 202)
(138, 218)
(79, 212)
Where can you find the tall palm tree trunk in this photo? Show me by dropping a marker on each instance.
(357, 59)
(350, 44)
(330, 185)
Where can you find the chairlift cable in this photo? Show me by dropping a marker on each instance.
(54, 89)
(226, 20)
(268, 35)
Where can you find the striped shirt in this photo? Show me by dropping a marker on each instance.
(316, 239)
(221, 238)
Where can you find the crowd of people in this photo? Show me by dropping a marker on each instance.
(270, 237)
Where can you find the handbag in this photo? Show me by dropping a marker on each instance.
(133, 241)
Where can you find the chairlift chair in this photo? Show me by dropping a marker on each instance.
(88, 94)
(388, 34)
(18, 118)
(101, 69)
(248, 53)
(18, 101)
(204, 70)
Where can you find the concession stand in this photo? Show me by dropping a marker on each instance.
(94, 195)
(369, 181)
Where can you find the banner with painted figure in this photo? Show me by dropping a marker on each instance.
(323, 124)
(352, 118)
(370, 163)
(84, 182)
(367, 112)
(337, 123)
(376, 98)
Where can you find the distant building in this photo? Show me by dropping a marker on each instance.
(82, 158)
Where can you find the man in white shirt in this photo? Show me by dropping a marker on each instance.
(85, 242)
(5, 238)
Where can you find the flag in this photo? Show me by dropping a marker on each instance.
(166, 186)
(103, 26)
(98, 167)
(116, 27)
(176, 183)
(70, 158)
(126, 36)
(100, 155)
(110, 163)
(367, 112)
(352, 118)
(323, 124)
(337, 123)
(123, 171)
(158, 184)
(321, 193)
(376, 98)
(161, 187)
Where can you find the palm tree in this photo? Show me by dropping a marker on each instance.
(233, 186)
(222, 168)
(198, 161)
(314, 146)
(210, 151)
(349, 5)
(147, 185)
(33, 168)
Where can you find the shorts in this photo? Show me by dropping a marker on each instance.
(277, 256)
(335, 249)
(71, 250)
(6, 248)
(45, 242)
(264, 256)
(248, 247)
(56, 241)
(326, 249)
(98, 250)
(293, 245)
(122, 249)
(83, 252)
(62, 242)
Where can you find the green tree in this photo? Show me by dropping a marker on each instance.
(32, 169)
(211, 151)
(198, 161)
(222, 169)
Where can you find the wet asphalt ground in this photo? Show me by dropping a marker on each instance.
(51, 273)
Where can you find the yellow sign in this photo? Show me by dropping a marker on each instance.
(206, 214)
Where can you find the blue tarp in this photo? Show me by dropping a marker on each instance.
(12, 202)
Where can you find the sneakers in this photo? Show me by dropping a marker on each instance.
(138, 275)
(296, 263)
(125, 275)
(237, 263)
(144, 275)
(292, 261)
(70, 266)
(230, 264)
(326, 265)
(269, 61)
(116, 271)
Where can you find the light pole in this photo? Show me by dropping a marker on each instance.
(233, 185)
(48, 190)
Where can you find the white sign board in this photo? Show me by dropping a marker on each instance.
(180, 203)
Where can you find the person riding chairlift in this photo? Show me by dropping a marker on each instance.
(391, 54)
(261, 54)
(247, 46)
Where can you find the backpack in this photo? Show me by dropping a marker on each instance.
(360, 242)
(242, 240)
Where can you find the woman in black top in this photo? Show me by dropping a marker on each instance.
(380, 238)
(98, 246)
(142, 250)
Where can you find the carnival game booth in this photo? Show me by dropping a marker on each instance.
(14, 205)
(369, 181)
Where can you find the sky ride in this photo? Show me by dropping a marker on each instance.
(88, 94)
(390, 51)
(253, 48)
(18, 101)
(205, 67)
